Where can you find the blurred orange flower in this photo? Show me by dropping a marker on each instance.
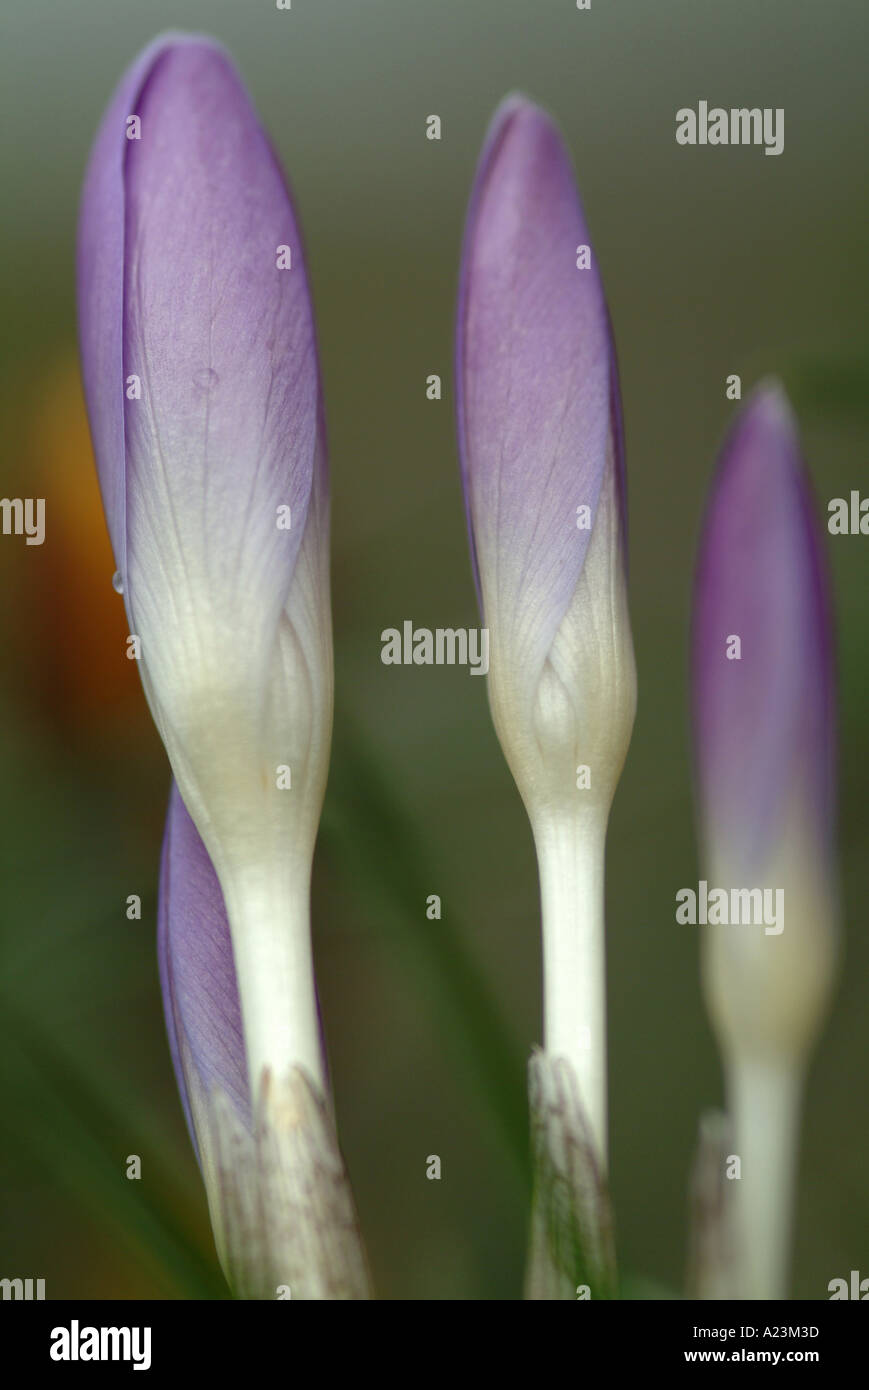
(71, 628)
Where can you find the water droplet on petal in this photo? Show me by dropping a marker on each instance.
(117, 582)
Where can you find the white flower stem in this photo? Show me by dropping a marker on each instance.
(271, 933)
(764, 1100)
(570, 855)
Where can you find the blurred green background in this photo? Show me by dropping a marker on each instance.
(715, 261)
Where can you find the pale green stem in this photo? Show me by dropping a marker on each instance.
(764, 1100)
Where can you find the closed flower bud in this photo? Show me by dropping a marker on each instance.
(540, 441)
(764, 751)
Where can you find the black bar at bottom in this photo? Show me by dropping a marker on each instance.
(256, 1339)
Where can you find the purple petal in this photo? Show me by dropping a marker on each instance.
(179, 285)
(537, 392)
(197, 971)
(100, 270)
(764, 724)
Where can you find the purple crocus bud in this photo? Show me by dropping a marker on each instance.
(764, 750)
(202, 384)
(282, 1211)
(540, 441)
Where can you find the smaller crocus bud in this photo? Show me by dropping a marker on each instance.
(764, 751)
(540, 441)
(281, 1208)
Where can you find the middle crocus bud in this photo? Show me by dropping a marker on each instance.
(539, 425)
(201, 377)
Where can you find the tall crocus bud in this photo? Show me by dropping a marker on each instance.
(203, 391)
(764, 749)
(540, 439)
(281, 1208)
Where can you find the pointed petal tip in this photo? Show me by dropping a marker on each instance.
(516, 105)
(141, 68)
(510, 105)
(770, 389)
(525, 143)
(769, 406)
(177, 38)
(518, 121)
(762, 450)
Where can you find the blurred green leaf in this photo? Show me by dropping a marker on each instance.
(54, 1116)
(369, 838)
